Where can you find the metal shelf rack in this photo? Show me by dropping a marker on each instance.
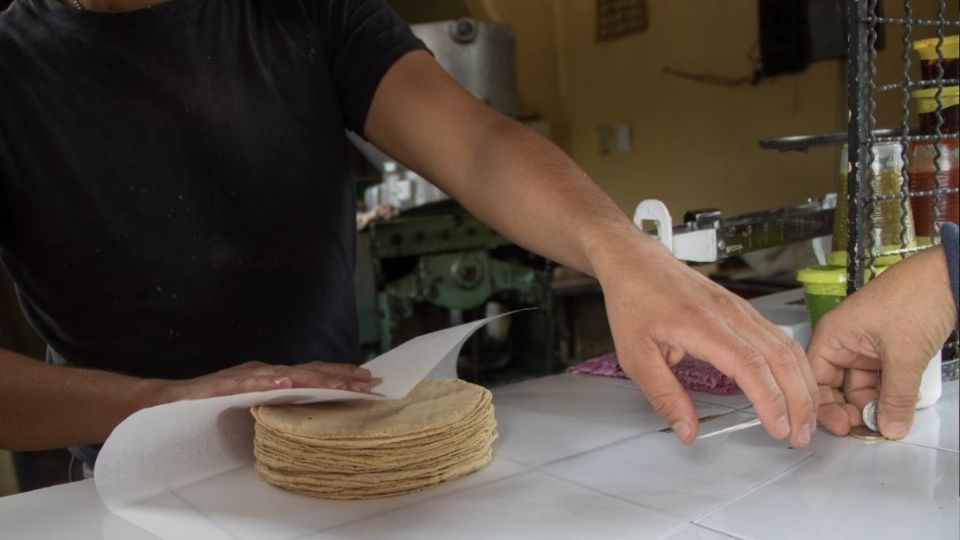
(863, 135)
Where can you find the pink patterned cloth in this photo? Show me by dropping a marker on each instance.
(692, 373)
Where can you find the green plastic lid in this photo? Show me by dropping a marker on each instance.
(823, 274)
(829, 275)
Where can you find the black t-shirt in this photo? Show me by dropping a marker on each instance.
(175, 195)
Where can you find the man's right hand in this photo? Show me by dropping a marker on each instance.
(258, 377)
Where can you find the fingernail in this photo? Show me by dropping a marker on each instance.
(359, 387)
(803, 436)
(280, 381)
(894, 430)
(782, 429)
(681, 429)
(335, 384)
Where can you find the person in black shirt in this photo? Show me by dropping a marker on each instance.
(175, 202)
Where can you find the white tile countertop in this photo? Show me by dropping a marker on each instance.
(582, 457)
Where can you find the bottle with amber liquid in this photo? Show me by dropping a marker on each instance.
(925, 168)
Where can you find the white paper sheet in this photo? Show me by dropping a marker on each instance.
(185, 470)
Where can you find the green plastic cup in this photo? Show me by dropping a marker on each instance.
(824, 288)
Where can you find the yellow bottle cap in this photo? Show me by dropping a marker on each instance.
(927, 48)
(927, 98)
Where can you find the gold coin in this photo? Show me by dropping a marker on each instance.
(865, 434)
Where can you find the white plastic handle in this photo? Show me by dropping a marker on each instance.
(654, 210)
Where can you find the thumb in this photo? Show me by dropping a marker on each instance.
(899, 386)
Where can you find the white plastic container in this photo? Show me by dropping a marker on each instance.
(931, 384)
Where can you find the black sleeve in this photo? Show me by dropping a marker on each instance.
(362, 40)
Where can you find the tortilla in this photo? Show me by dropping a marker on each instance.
(442, 430)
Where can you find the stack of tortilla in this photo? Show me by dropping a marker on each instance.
(442, 430)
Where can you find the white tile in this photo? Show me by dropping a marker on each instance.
(697, 532)
(548, 384)
(931, 427)
(735, 401)
(243, 505)
(936, 427)
(529, 506)
(547, 419)
(951, 389)
(70, 511)
(852, 489)
(657, 471)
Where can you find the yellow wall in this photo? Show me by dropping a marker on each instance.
(695, 145)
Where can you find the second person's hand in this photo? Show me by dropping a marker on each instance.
(877, 343)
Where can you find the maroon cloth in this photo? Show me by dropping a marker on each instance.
(692, 373)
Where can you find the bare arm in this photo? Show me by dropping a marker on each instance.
(525, 187)
(44, 406)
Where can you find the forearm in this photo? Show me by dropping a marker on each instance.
(504, 173)
(524, 186)
(659, 310)
(44, 406)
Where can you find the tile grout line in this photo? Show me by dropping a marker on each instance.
(718, 531)
(693, 521)
(426, 500)
(615, 496)
(754, 489)
(530, 468)
(937, 448)
(611, 443)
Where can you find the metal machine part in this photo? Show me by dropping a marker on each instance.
(441, 261)
(803, 143)
(481, 57)
(434, 263)
(402, 189)
(706, 236)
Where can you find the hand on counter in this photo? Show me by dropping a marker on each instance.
(259, 376)
(882, 337)
(660, 310)
(43, 406)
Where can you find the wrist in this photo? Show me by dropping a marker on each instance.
(617, 253)
(153, 392)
